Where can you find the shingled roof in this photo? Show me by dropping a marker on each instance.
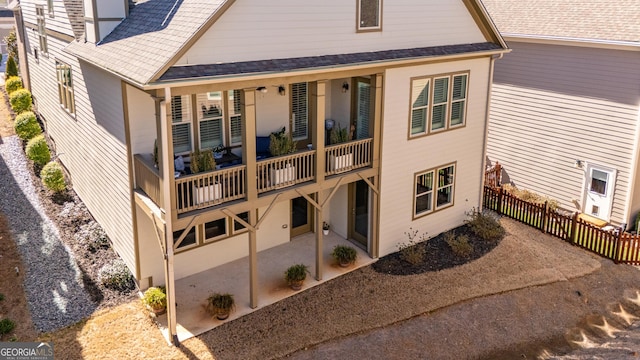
(148, 39)
(314, 62)
(600, 20)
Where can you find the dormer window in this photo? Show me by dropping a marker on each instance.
(369, 15)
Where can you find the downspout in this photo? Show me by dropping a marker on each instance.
(483, 165)
(167, 175)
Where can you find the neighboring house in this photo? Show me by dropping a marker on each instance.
(409, 80)
(565, 104)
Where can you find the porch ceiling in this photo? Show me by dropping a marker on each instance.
(233, 277)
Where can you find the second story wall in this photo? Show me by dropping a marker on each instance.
(255, 30)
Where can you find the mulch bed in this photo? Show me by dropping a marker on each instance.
(73, 219)
(437, 255)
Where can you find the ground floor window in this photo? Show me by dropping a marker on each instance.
(210, 232)
(434, 189)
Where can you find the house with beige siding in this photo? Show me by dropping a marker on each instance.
(565, 104)
(122, 81)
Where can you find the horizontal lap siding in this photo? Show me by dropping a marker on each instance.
(552, 105)
(60, 20)
(92, 145)
(255, 29)
(402, 158)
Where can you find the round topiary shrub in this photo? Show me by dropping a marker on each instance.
(38, 151)
(6, 326)
(116, 276)
(12, 84)
(20, 101)
(26, 126)
(52, 177)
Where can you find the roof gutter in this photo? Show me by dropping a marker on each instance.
(572, 41)
(315, 70)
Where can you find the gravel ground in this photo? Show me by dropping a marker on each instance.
(53, 281)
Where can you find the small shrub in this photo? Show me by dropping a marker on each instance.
(1, 297)
(155, 298)
(6, 326)
(26, 126)
(344, 254)
(52, 177)
(411, 251)
(116, 276)
(12, 67)
(458, 244)
(37, 150)
(20, 101)
(12, 84)
(484, 226)
(296, 272)
(93, 237)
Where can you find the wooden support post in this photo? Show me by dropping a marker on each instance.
(319, 238)
(545, 217)
(574, 228)
(318, 140)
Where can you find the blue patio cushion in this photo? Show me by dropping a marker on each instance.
(262, 147)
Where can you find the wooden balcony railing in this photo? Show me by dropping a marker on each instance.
(282, 171)
(348, 156)
(147, 176)
(203, 190)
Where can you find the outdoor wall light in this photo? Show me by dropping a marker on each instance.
(262, 89)
(281, 90)
(345, 87)
(578, 164)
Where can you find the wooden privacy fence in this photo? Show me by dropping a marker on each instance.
(614, 244)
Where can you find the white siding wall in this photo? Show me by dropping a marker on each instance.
(92, 144)
(254, 29)
(189, 262)
(59, 22)
(142, 121)
(552, 105)
(402, 158)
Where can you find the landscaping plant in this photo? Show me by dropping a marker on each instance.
(295, 275)
(220, 305)
(37, 150)
(155, 298)
(281, 143)
(484, 226)
(116, 276)
(6, 326)
(411, 251)
(12, 84)
(344, 255)
(20, 101)
(11, 67)
(26, 126)
(458, 244)
(52, 177)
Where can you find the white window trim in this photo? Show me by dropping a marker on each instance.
(69, 103)
(360, 28)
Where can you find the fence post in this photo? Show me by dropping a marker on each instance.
(574, 227)
(618, 248)
(500, 200)
(545, 217)
(498, 173)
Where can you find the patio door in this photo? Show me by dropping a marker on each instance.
(598, 193)
(301, 216)
(359, 213)
(361, 108)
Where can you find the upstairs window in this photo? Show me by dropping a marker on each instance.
(181, 124)
(434, 189)
(299, 111)
(369, 15)
(50, 8)
(235, 116)
(211, 130)
(65, 86)
(42, 30)
(438, 103)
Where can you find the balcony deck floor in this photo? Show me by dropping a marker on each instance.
(233, 277)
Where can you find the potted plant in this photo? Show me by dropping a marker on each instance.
(325, 228)
(281, 143)
(344, 255)
(220, 305)
(203, 161)
(340, 159)
(156, 299)
(295, 276)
